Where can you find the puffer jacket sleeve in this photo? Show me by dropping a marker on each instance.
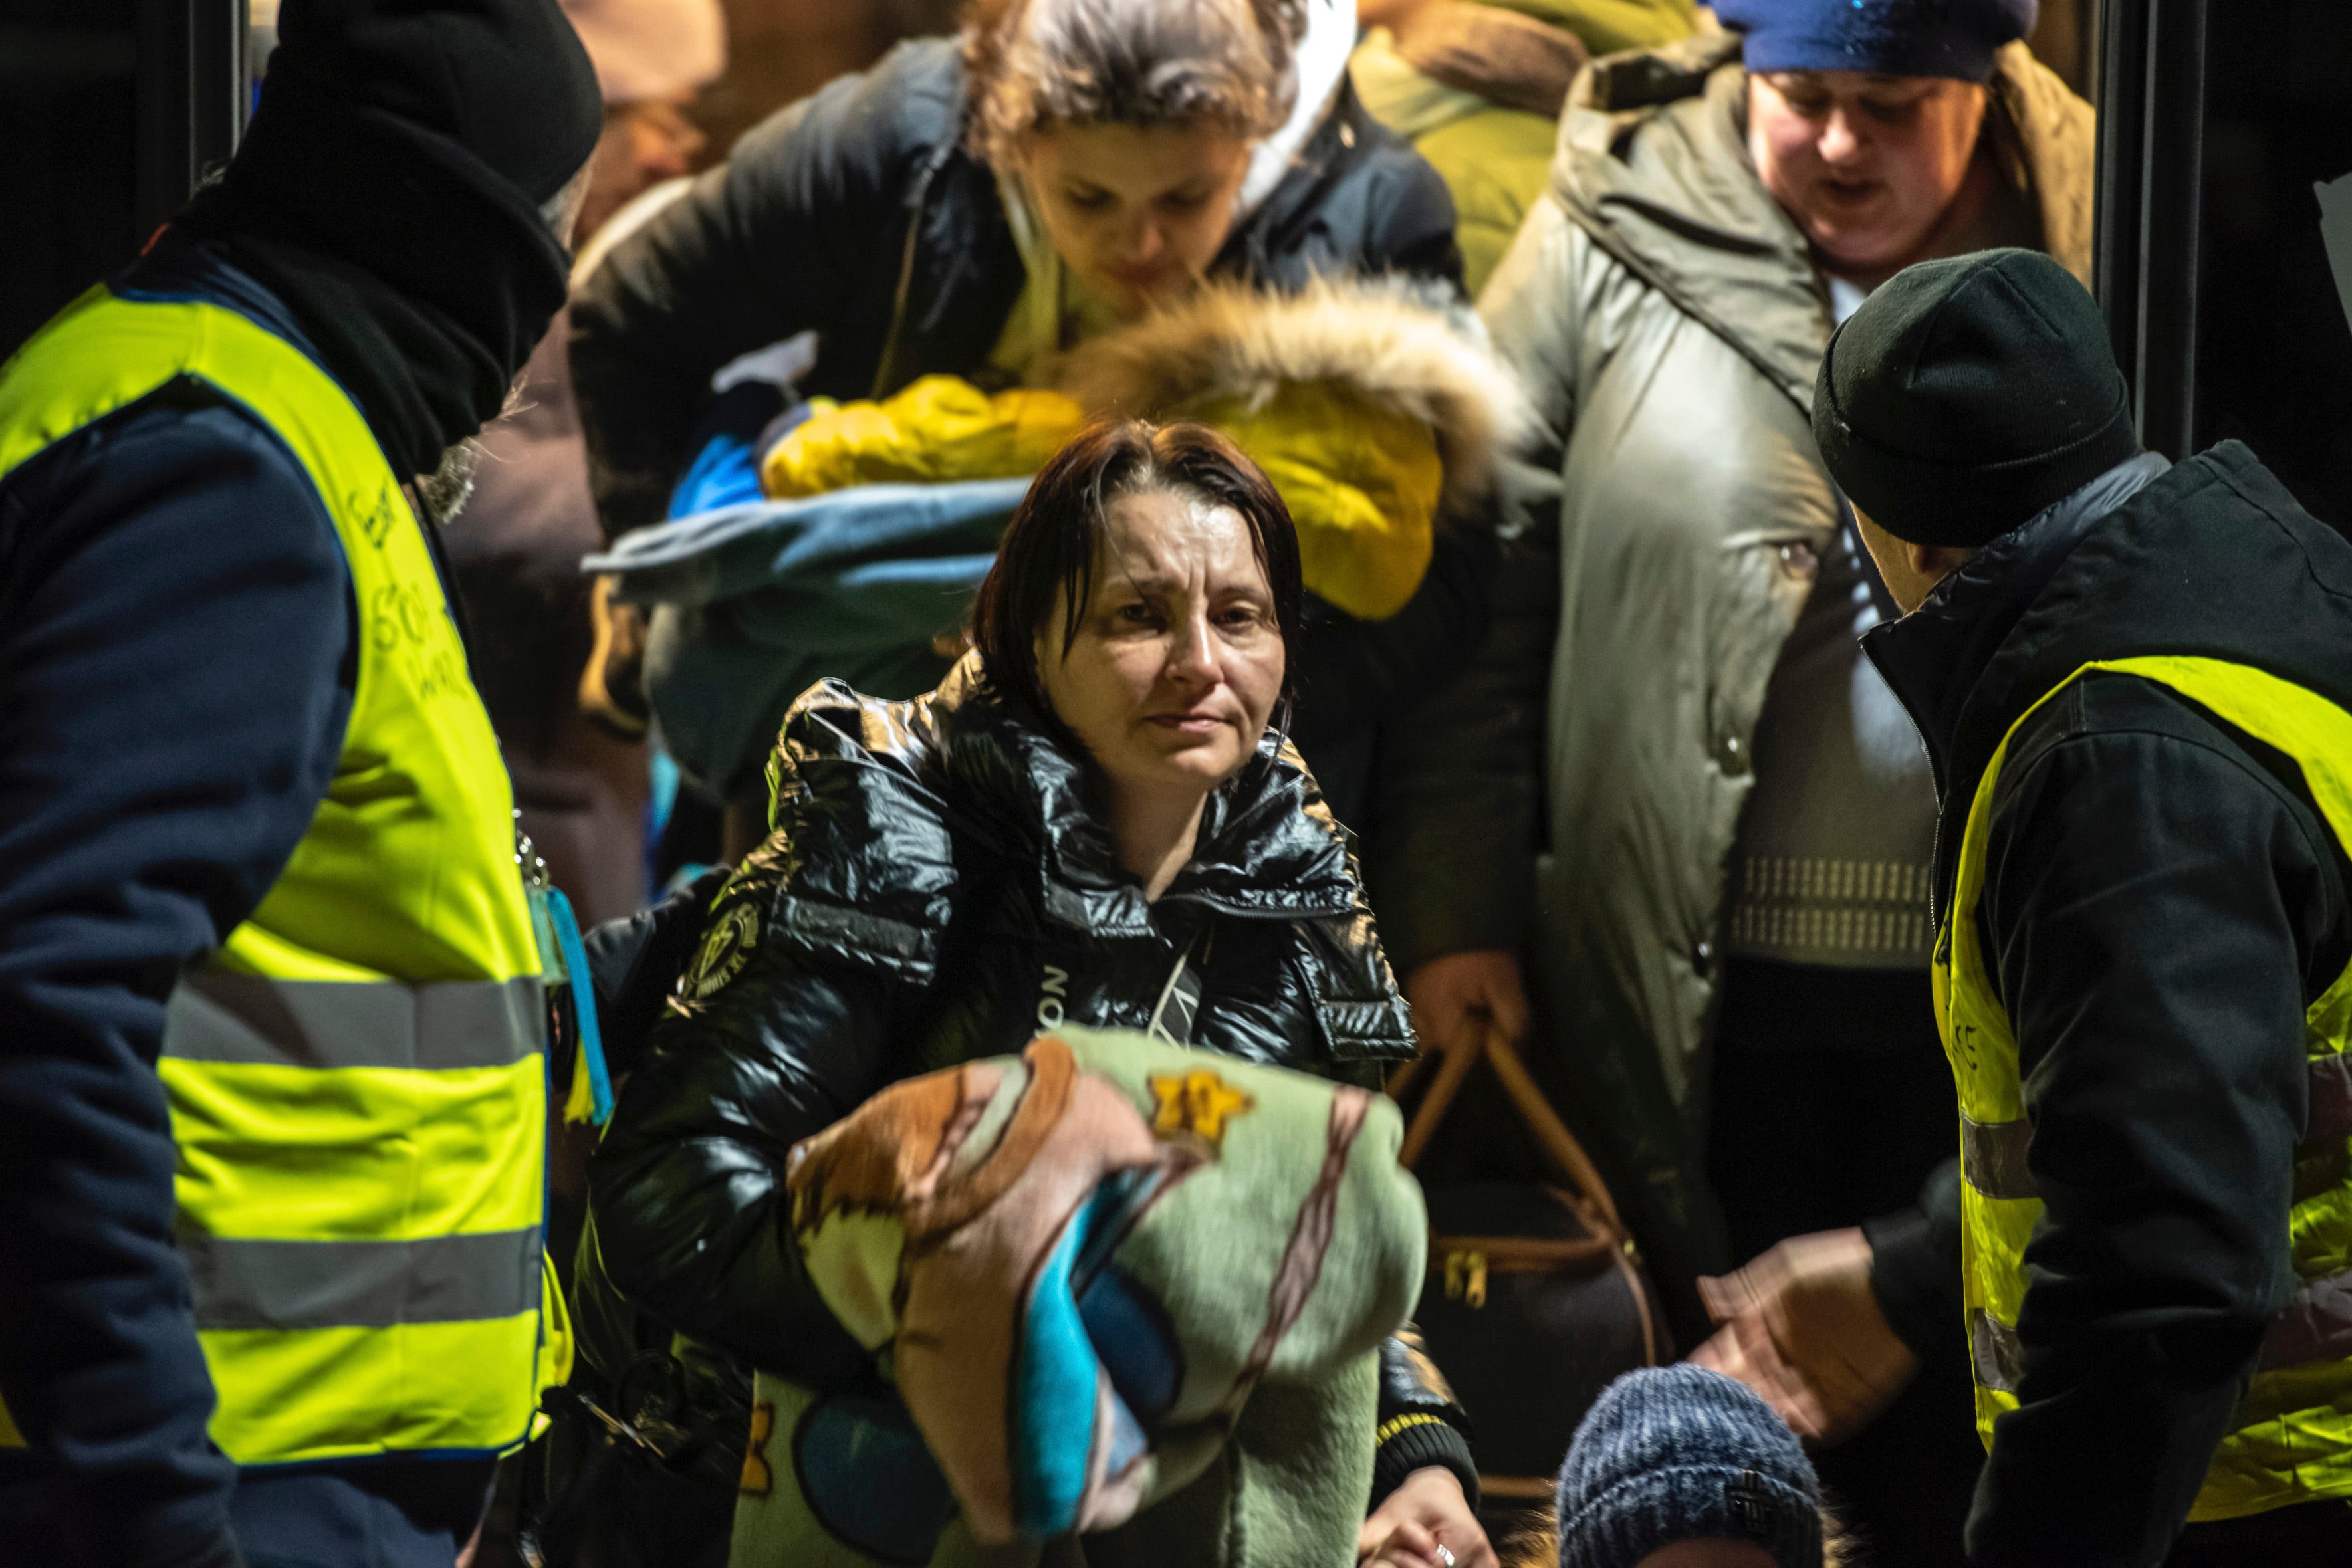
(787, 1020)
(779, 239)
(1460, 792)
(1421, 1426)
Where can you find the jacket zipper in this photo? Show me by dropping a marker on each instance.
(1468, 1261)
(1466, 1278)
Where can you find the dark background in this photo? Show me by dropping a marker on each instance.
(68, 172)
(2273, 352)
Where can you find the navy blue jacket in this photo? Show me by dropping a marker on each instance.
(176, 663)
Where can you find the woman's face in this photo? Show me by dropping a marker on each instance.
(1137, 213)
(1866, 165)
(1177, 658)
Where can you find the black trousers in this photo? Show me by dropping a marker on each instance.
(1831, 1103)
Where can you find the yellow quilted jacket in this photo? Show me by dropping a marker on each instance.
(1375, 417)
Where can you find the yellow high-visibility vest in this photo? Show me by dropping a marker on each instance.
(357, 1078)
(2291, 1440)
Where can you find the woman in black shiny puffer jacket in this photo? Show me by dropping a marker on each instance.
(948, 876)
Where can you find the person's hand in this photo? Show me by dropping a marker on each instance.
(1456, 999)
(1426, 1512)
(1801, 1327)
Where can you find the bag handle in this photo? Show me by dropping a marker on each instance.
(1572, 1164)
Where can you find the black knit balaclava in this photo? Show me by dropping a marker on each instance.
(389, 193)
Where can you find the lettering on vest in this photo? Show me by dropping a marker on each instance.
(1052, 995)
(407, 626)
(376, 517)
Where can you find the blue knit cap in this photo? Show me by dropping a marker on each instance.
(1680, 1453)
(1891, 38)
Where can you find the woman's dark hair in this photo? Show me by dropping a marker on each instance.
(1049, 547)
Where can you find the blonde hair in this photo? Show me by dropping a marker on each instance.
(1032, 64)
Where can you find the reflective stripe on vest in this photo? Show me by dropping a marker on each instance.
(356, 1079)
(2291, 1440)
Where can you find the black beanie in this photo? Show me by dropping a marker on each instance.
(389, 191)
(1968, 393)
(506, 80)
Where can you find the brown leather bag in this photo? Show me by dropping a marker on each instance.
(1536, 1297)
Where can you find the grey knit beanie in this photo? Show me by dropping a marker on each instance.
(1680, 1453)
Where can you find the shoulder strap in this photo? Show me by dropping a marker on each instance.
(1571, 1165)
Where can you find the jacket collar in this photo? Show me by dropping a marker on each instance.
(1936, 658)
(1267, 846)
(1319, 65)
(1280, 223)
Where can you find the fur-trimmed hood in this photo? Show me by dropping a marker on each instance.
(1428, 362)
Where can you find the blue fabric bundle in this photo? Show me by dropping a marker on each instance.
(755, 602)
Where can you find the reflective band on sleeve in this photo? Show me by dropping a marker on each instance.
(2315, 1325)
(1992, 1345)
(1992, 1154)
(218, 1015)
(241, 1283)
